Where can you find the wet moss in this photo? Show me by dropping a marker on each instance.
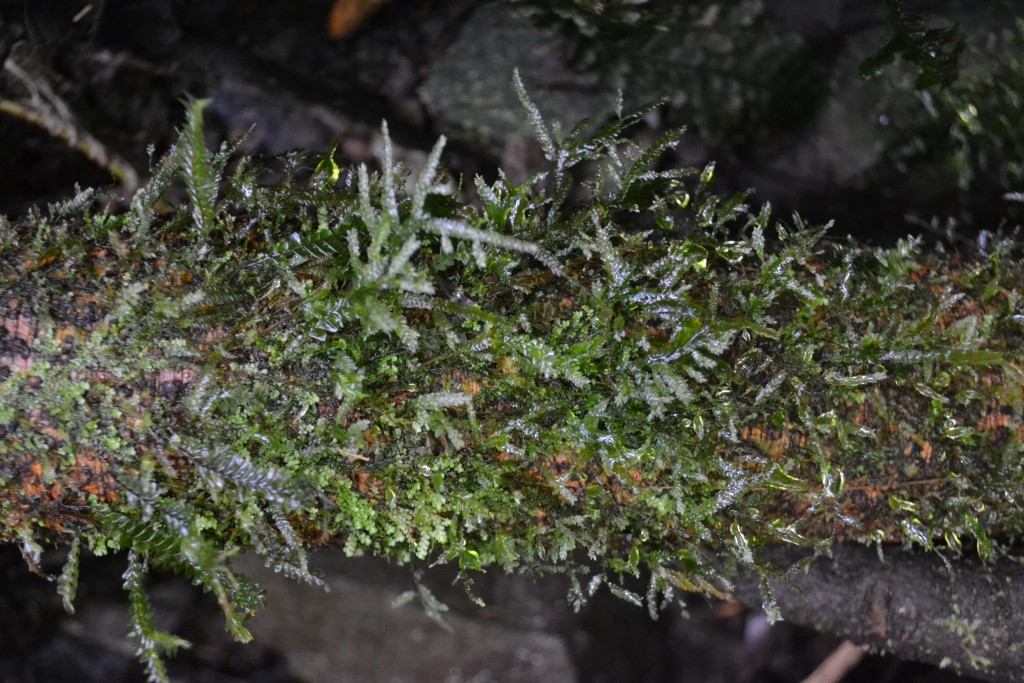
(525, 383)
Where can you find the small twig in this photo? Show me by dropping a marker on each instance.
(48, 111)
(837, 664)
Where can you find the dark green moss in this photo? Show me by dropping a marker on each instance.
(523, 383)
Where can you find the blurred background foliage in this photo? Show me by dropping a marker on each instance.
(869, 113)
(927, 95)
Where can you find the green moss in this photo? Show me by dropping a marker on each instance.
(525, 383)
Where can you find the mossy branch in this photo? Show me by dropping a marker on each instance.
(528, 383)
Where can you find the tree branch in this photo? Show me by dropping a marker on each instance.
(961, 614)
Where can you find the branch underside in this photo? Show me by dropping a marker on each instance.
(949, 612)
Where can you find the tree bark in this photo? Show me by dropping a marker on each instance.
(951, 612)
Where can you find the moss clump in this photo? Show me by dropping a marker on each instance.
(628, 374)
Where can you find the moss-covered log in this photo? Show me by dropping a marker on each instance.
(630, 375)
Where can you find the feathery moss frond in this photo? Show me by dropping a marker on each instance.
(198, 168)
